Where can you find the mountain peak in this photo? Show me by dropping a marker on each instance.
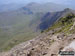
(32, 3)
(67, 9)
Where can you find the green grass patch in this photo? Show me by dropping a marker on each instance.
(64, 23)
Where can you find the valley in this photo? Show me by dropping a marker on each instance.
(34, 30)
(23, 24)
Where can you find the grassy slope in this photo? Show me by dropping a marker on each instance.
(18, 32)
(21, 31)
(65, 23)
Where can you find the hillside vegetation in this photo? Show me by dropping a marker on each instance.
(50, 42)
(15, 29)
(64, 25)
(22, 25)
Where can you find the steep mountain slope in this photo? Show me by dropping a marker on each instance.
(15, 26)
(51, 41)
(64, 24)
(22, 25)
(50, 18)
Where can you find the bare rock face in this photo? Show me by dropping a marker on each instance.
(43, 45)
(61, 36)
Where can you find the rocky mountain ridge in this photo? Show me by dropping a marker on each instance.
(49, 42)
(45, 45)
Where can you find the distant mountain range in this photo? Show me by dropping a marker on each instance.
(47, 7)
(34, 7)
(10, 7)
(26, 22)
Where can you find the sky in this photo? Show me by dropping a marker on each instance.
(70, 3)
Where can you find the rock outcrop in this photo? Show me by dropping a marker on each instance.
(43, 45)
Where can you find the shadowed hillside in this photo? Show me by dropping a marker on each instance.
(22, 25)
(50, 18)
(59, 37)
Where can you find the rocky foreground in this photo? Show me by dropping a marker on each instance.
(47, 44)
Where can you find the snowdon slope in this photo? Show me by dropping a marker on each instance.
(14, 26)
(51, 17)
(21, 25)
(51, 41)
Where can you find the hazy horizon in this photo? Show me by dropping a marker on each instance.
(12, 4)
(68, 2)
